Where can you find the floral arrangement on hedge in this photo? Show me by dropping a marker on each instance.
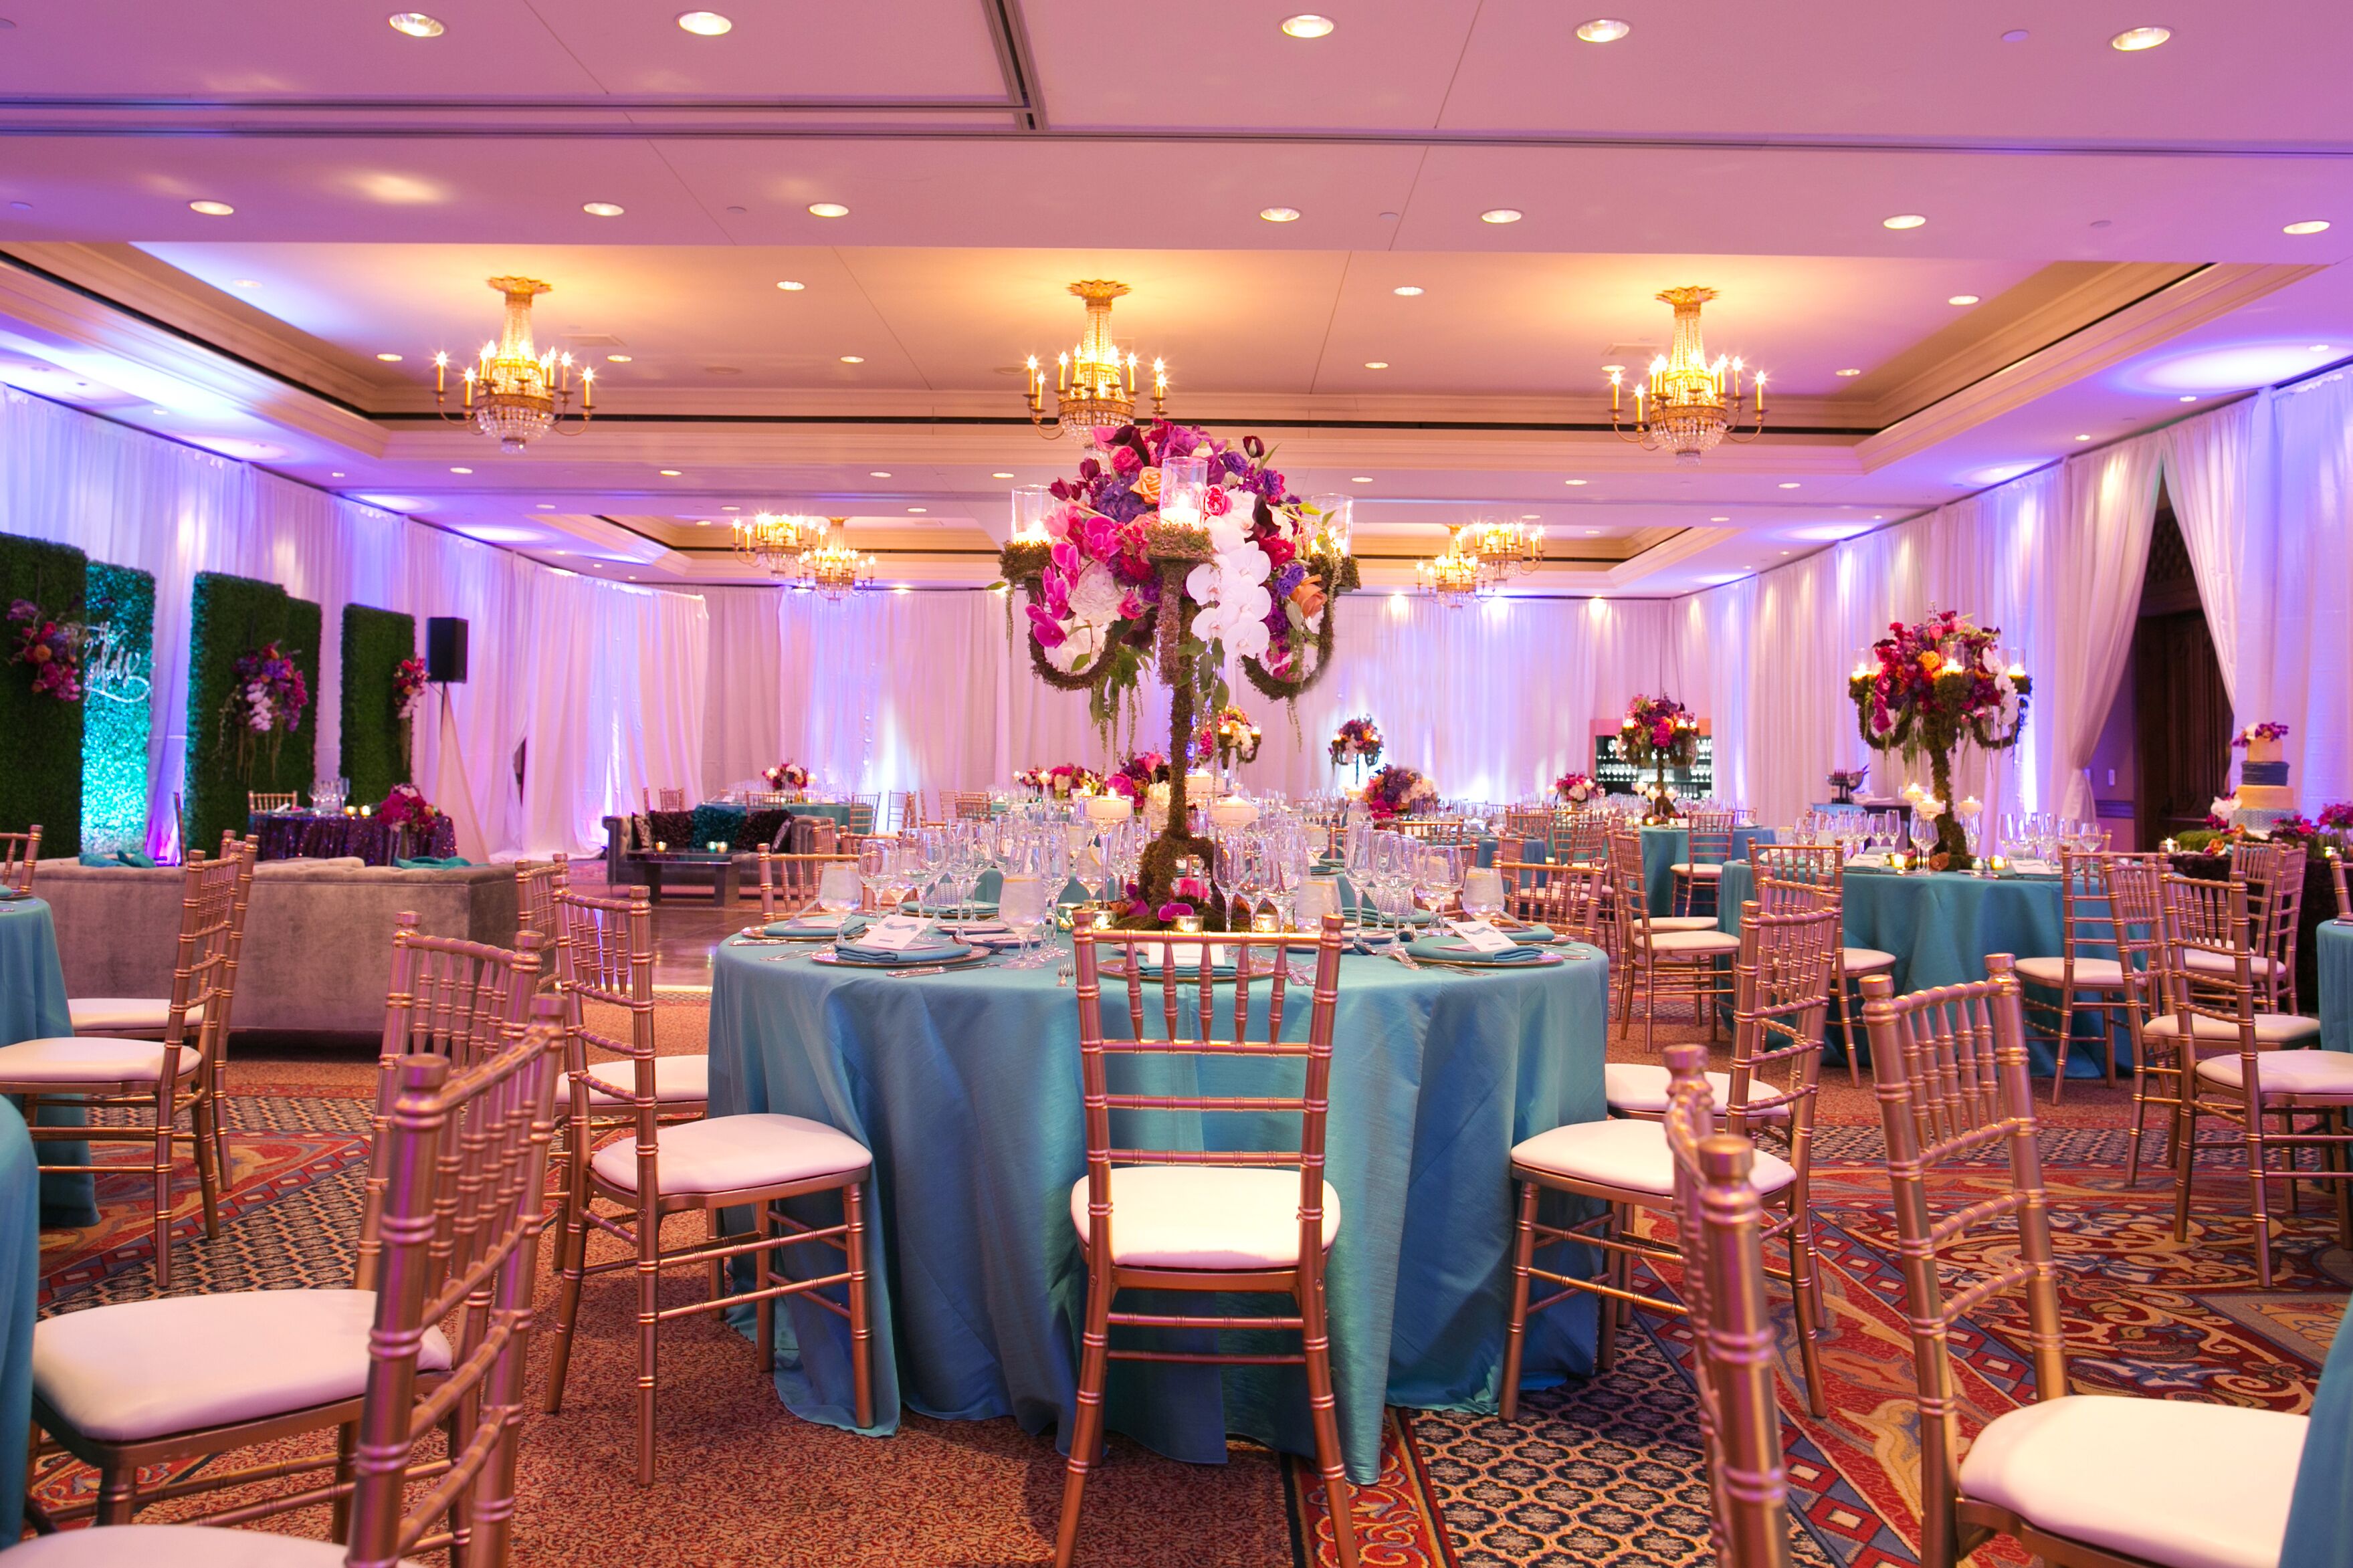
(267, 699)
(787, 775)
(1396, 790)
(53, 648)
(1935, 685)
(1576, 788)
(1134, 777)
(1061, 781)
(1356, 741)
(407, 689)
(407, 806)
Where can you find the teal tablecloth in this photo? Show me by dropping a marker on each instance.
(965, 1087)
(1666, 847)
(2333, 942)
(2320, 1516)
(20, 1290)
(1940, 925)
(33, 1008)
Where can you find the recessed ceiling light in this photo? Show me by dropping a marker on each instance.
(1788, 484)
(601, 209)
(1001, 476)
(1851, 371)
(1719, 519)
(702, 522)
(1360, 478)
(2309, 226)
(919, 509)
(1501, 215)
(1408, 289)
(454, 469)
(1377, 364)
(1279, 215)
(2189, 397)
(416, 23)
(2318, 348)
(827, 209)
(1576, 481)
(389, 359)
(549, 506)
(337, 474)
(2132, 40)
(1307, 25)
(617, 359)
(853, 359)
(2015, 35)
(163, 411)
(1531, 517)
(1593, 533)
(1962, 300)
(1903, 220)
(245, 282)
(790, 287)
(1785, 552)
(667, 473)
(878, 473)
(1603, 31)
(703, 23)
(211, 209)
(2082, 438)
(730, 508)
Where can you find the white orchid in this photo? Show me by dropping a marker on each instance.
(1082, 641)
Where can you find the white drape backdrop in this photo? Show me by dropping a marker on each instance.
(603, 681)
(2295, 600)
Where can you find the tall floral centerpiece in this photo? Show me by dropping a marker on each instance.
(1357, 743)
(407, 697)
(1396, 790)
(1179, 551)
(1927, 690)
(1658, 733)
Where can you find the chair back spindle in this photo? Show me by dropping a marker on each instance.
(21, 852)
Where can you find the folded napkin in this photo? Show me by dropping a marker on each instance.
(431, 862)
(1526, 935)
(816, 925)
(940, 951)
(979, 909)
(1454, 949)
(130, 857)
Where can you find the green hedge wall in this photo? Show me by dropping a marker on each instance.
(115, 727)
(375, 754)
(230, 616)
(41, 781)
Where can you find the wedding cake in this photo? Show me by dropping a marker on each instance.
(2264, 795)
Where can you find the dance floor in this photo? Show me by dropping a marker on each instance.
(1601, 1471)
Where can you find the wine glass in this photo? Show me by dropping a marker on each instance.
(1924, 832)
(1442, 868)
(875, 857)
(1021, 904)
(1482, 892)
(837, 889)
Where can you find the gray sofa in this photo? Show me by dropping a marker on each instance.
(318, 934)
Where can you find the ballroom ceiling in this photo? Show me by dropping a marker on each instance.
(2114, 221)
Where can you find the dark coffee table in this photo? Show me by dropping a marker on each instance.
(689, 866)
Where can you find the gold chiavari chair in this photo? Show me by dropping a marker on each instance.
(1657, 958)
(909, 814)
(458, 1162)
(1187, 1220)
(865, 814)
(1717, 1205)
(788, 883)
(2256, 1072)
(179, 1072)
(1433, 829)
(1821, 865)
(1784, 974)
(766, 800)
(971, 806)
(1524, 822)
(652, 1167)
(537, 885)
(2076, 981)
(257, 801)
(2273, 873)
(2135, 891)
(2077, 1480)
(1710, 833)
(20, 852)
(1582, 837)
(134, 1385)
(1572, 900)
(664, 797)
(139, 1017)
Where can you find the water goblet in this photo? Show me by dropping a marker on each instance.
(1021, 904)
(837, 889)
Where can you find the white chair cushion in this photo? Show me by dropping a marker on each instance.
(1630, 1155)
(2286, 1072)
(78, 1058)
(2095, 973)
(2175, 1481)
(1205, 1217)
(732, 1153)
(1865, 960)
(1691, 943)
(1683, 922)
(180, 1545)
(2207, 962)
(1701, 868)
(149, 1369)
(1642, 1087)
(2271, 1028)
(126, 1015)
(677, 1080)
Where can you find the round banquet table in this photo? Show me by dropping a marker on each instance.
(2333, 944)
(1940, 925)
(965, 1087)
(2320, 1515)
(33, 1008)
(1664, 848)
(20, 1292)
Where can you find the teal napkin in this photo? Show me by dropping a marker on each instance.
(431, 862)
(92, 857)
(1454, 949)
(930, 952)
(1529, 935)
(130, 857)
(979, 909)
(819, 925)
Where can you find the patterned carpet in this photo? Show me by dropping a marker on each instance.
(1601, 1471)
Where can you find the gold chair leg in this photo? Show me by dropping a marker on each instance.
(1840, 1015)
(162, 1178)
(861, 1325)
(118, 1493)
(648, 1273)
(1323, 1409)
(1523, 1246)
(2185, 1153)
(1086, 1428)
(208, 1172)
(2067, 1036)
(1806, 1298)
(717, 1266)
(1605, 1349)
(573, 1248)
(763, 1275)
(2259, 1178)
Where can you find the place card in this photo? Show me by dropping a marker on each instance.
(1482, 937)
(897, 934)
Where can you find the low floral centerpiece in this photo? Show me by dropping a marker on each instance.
(1929, 689)
(1576, 788)
(1227, 738)
(788, 776)
(52, 647)
(1134, 777)
(1844, 782)
(1186, 553)
(1357, 743)
(1398, 791)
(266, 701)
(1658, 732)
(1061, 781)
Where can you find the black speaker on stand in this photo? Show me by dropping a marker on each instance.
(445, 649)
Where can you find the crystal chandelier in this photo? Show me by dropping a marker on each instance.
(513, 394)
(1692, 403)
(1455, 577)
(830, 566)
(1506, 550)
(1093, 384)
(774, 542)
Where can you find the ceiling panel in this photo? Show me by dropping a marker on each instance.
(780, 49)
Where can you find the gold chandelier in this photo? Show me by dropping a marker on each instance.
(1692, 401)
(1506, 550)
(1093, 384)
(512, 393)
(830, 566)
(774, 542)
(1456, 576)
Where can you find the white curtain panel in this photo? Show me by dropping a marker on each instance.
(2299, 598)
(2218, 475)
(135, 500)
(2087, 581)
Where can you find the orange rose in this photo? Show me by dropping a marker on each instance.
(1147, 484)
(1308, 597)
(1932, 661)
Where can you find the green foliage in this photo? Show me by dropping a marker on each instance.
(231, 617)
(42, 781)
(116, 721)
(375, 743)
(2196, 840)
